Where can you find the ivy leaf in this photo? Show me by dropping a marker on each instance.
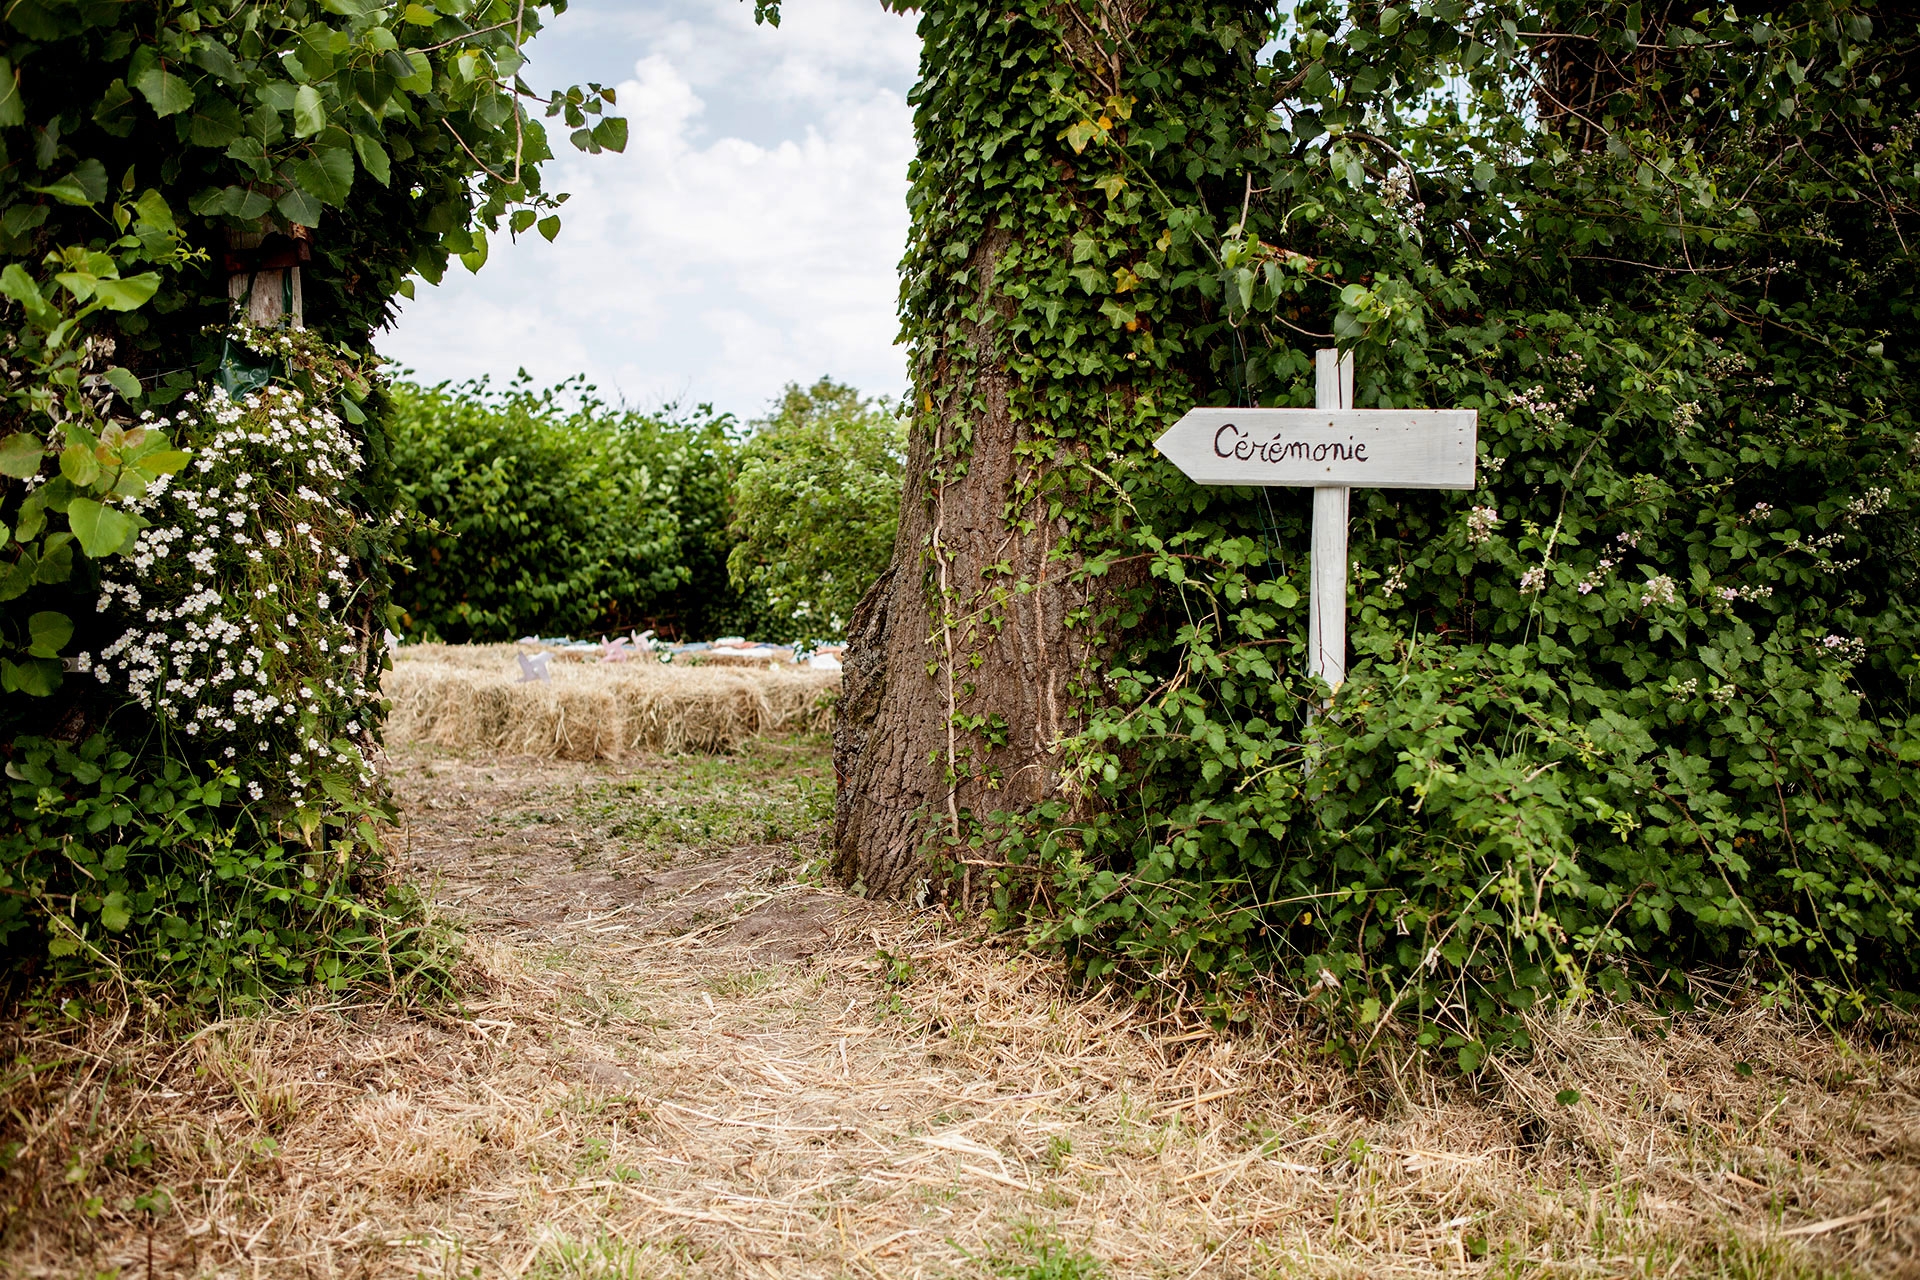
(21, 454)
(165, 92)
(100, 529)
(86, 185)
(309, 112)
(48, 633)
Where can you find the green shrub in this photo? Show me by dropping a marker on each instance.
(171, 881)
(1645, 703)
(529, 517)
(815, 506)
(192, 518)
(226, 846)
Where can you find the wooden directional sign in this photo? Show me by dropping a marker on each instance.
(1356, 448)
(1331, 449)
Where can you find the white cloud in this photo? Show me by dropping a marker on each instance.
(704, 264)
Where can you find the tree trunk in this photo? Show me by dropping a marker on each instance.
(1038, 126)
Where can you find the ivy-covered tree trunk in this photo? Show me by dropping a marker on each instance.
(1045, 356)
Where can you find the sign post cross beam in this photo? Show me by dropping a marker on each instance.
(1332, 448)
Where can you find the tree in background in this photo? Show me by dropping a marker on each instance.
(197, 512)
(816, 503)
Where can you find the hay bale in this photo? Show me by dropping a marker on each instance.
(468, 698)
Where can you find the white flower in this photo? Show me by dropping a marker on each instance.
(1480, 524)
(1660, 591)
(1533, 579)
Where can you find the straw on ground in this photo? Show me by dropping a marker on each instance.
(686, 1055)
(470, 698)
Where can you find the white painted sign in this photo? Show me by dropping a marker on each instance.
(1358, 448)
(1332, 449)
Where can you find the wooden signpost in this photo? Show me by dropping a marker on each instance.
(1332, 448)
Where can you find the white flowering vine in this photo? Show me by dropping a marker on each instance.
(240, 630)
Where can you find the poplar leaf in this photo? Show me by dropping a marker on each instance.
(165, 92)
(48, 633)
(20, 455)
(309, 112)
(100, 529)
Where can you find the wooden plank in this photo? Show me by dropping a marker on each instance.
(1327, 563)
(1361, 448)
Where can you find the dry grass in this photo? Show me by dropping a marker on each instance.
(468, 698)
(685, 1057)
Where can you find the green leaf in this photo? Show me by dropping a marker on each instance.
(21, 454)
(36, 677)
(373, 158)
(129, 294)
(550, 226)
(214, 123)
(328, 175)
(115, 912)
(611, 133)
(419, 15)
(86, 185)
(153, 210)
(48, 633)
(309, 112)
(101, 530)
(476, 257)
(56, 560)
(12, 110)
(1567, 1097)
(165, 92)
(161, 462)
(521, 220)
(124, 382)
(114, 111)
(78, 464)
(299, 207)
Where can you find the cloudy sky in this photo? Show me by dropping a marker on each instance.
(748, 237)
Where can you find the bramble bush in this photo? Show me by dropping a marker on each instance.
(1641, 705)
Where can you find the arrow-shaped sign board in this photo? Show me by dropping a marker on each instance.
(1353, 448)
(1330, 449)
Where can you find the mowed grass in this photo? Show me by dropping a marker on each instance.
(681, 1053)
(771, 791)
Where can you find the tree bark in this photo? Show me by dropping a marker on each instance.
(973, 658)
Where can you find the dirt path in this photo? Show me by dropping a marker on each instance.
(685, 1055)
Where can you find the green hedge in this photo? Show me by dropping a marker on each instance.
(547, 511)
